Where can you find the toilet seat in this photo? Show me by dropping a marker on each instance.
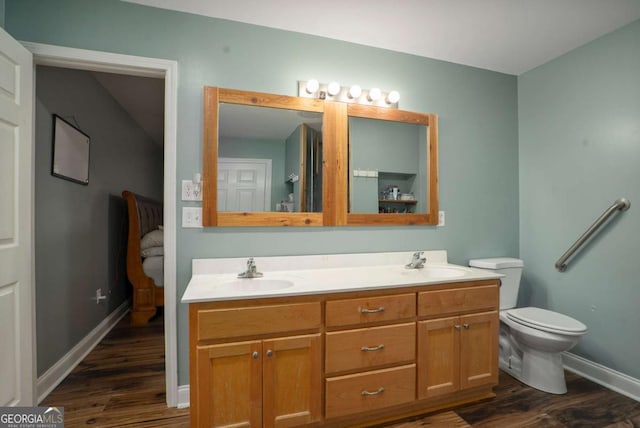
(545, 320)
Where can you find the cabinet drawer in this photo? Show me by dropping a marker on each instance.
(369, 347)
(370, 309)
(244, 321)
(369, 391)
(440, 302)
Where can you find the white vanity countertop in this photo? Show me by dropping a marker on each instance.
(216, 279)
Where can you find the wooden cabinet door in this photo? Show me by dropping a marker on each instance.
(479, 349)
(438, 357)
(229, 385)
(292, 376)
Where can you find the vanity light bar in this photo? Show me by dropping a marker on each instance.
(332, 91)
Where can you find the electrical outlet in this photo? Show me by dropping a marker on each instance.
(440, 218)
(191, 217)
(99, 296)
(191, 191)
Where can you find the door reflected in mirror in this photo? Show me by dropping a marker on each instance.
(269, 159)
(388, 167)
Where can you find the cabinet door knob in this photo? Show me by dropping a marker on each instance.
(457, 327)
(366, 393)
(269, 352)
(466, 326)
(371, 311)
(372, 348)
(255, 355)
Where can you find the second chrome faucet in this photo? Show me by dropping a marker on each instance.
(417, 261)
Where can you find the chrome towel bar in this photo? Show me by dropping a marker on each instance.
(621, 204)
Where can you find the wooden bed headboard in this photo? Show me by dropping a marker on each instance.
(144, 215)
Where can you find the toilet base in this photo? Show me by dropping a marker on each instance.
(539, 370)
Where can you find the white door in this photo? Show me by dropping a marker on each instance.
(244, 184)
(17, 369)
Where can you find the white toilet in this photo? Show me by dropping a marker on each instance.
(531, 339)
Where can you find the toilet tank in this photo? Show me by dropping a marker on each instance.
(512, 269)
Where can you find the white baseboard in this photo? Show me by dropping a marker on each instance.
(183, 396)
(60, 370)
(609, 378)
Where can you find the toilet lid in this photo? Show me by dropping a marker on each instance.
(545, 320)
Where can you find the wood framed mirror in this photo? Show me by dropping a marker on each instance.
(268, 160)
(392, 167)
(274, 160)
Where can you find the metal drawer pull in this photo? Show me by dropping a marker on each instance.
(379, 391)
(269, 353)
(457, 327)
(373, 348)
(465, 325)
(255, 355)
(371, 311)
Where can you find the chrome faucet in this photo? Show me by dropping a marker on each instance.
(251, 271)
(417, 261)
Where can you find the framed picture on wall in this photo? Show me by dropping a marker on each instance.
(70, 158)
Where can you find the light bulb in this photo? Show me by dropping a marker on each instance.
(374, 94)
(312, 86)
(355, 91)
(393, 97)
(333, 88)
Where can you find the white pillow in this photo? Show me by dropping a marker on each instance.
(155, 238)
(153, 251)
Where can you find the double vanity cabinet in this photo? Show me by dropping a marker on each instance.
(350, 358)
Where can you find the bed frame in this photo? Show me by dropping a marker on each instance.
(144, 216)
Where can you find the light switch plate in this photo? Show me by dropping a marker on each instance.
(191, 216)
(440, 218)
(191, 191)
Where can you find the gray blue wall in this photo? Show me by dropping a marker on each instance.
(579, 125)
(477, 110)
(80, 230)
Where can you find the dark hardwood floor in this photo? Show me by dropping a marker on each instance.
(585, 405)
(121, 384)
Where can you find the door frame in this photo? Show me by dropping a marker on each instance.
(82, 59)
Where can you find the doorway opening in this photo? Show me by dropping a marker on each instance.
(125, 66)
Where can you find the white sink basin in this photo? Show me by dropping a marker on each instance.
(256, 284)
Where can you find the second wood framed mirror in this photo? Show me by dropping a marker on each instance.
(393, 167)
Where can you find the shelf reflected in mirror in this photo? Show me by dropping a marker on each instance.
(387, 166)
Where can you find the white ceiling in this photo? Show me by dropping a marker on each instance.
(509, 36)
